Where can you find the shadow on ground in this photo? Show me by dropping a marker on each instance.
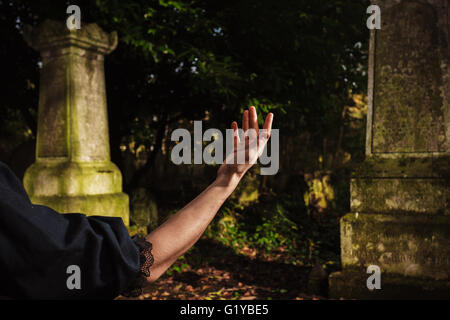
(214, 271)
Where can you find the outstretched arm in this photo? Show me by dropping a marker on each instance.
(181, 231)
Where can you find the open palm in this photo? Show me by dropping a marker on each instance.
(246, 151)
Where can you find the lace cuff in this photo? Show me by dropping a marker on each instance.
(146, 261)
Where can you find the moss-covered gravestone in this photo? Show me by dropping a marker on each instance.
(73, 171)
(400, 215)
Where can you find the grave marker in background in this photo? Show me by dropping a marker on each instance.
(73, 171)
(400, 214)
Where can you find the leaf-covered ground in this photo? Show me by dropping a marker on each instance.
(213, 271)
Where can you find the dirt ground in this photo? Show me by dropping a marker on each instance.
(214, 272)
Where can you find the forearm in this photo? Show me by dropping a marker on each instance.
(181, 231)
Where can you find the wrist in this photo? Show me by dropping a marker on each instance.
(228, 180)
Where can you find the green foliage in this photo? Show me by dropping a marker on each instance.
(179, 59)
(226, 230)
(178, 267)
(282, 231)
(276, 232)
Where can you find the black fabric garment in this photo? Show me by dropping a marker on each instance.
(37, 245)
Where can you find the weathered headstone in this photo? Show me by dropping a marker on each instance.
(73, 171)
(400, 214)
(143, 209)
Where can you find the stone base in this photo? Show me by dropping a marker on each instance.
(92, 188)
(411, 250)
(61, 177)
(109, 205)
(397, 195)
(402, 184)
(351, 284)
(411, 245)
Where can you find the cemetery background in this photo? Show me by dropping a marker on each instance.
(179, 61)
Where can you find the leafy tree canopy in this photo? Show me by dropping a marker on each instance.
(178, 59)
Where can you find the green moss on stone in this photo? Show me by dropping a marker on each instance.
(416, 245)
(110, 205)
(408, 105)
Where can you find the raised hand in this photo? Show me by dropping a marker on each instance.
(182, 230)
(245, 153)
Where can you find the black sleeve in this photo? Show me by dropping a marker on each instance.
(37, 245)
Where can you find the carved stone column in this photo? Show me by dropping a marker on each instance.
(73, 171)
(400, 213)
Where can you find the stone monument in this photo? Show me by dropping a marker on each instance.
(73, 171)
(400, 213)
